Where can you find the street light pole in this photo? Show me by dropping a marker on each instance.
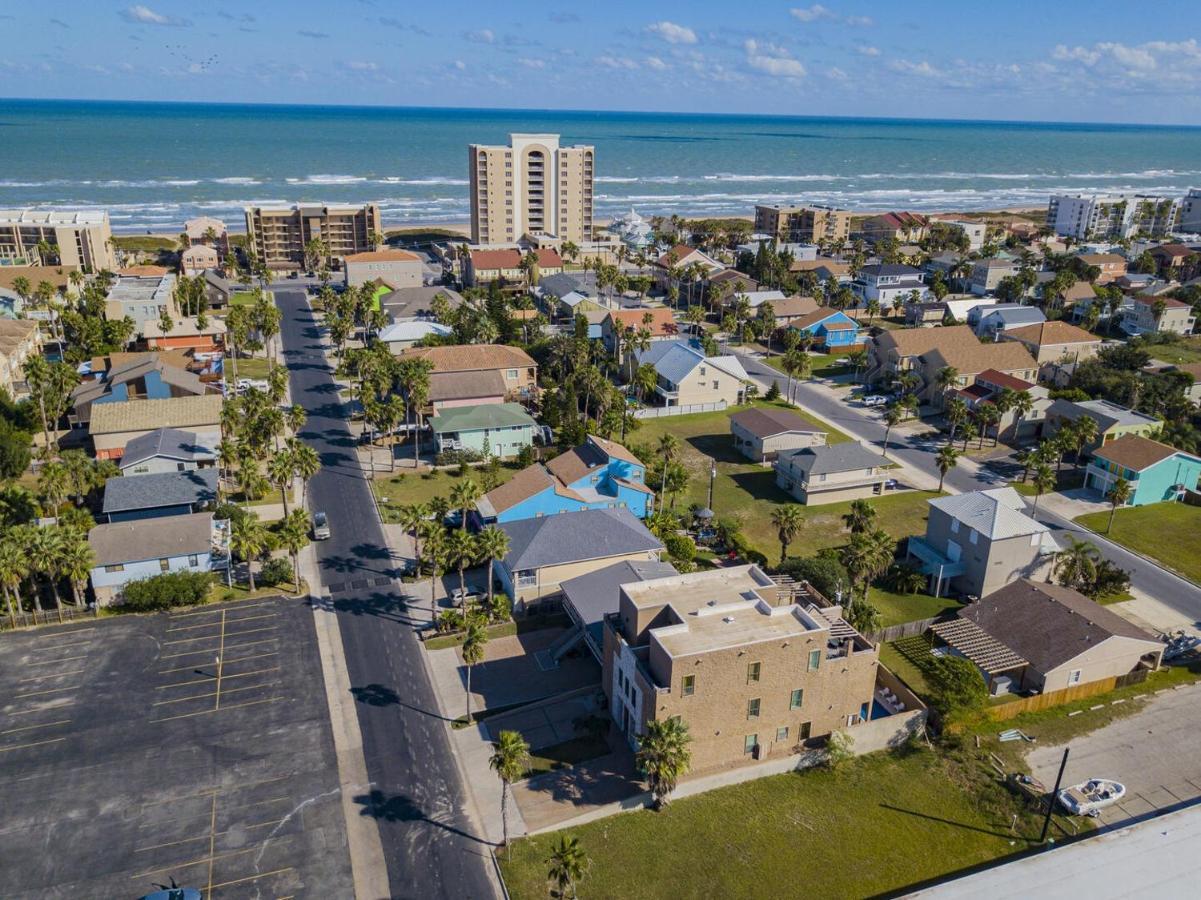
(712, 478)
(1054, 796)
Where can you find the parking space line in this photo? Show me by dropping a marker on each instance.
(209, 637)
(207, 712)
(227, 606)
(50, 662)
(63, 634)
(32, 727)
(86, 643)
(215, 624)
(203, 837)
(231, 662)
(38, 709)
(34, 744)
(252, 878)
(210, 649)
(249, 687)
(53, 675)
(213, 819)
(211, 677)
(197, 862)
(217, 704)
(50, 691)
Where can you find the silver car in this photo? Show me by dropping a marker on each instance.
(320, 527)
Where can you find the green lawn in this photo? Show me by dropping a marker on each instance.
(899, 656)
(897, 608)
(255, 367)
(1070, 478)
(874, 825)
(407, 488)
(144, 243)
(1180, 352)
(823, 366)
(241, 298)
(1166, 532)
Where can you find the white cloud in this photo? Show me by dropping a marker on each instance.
(459, 64)
(836, 74)
(1145, 57)
(531, 63)
(360, 65)
(819, 13)
(922, 69)
(868, 50)
(673, 33)
(144, 15)
(772, 60)
(481, 36)
(654, 62)
(616, 62)
(860, 21)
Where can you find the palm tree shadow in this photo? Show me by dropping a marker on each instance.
(402, 808)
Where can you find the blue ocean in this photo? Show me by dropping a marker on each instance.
(153, 165)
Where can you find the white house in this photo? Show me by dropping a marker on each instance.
(887, 281)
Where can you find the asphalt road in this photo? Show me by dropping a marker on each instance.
(417, 796)
(1169, 589)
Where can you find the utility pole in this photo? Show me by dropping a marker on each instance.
(1054, 796)
(712, 478)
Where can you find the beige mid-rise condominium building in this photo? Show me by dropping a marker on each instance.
(531, 186)
(84, 238)
(280, 234)
(803, 224)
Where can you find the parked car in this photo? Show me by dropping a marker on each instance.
(320, 526)
(460, 598)
(875, 400)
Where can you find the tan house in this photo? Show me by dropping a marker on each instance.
(1173, 315)
(20, 340)
(681, 257)
(1112, 265)
(517, 370)
(905, 227)
(195, 259)
(752, 674)
(761, 434)
(927, 351)
(792, 309)
(209, 232)
(484, 266)
(1054, 343)
(1031, 636)
(395, 268)
(831, 474)
(658, 320)
(686, 377)
(113, 425)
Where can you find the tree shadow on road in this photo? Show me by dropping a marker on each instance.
(402, 808)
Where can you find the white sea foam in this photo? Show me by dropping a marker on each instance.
(236, 180)
(328, 179)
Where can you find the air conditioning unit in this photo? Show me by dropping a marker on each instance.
(1001, 685)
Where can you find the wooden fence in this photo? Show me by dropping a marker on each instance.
(1014, 708)
(656, 412)
(48, 617)
(903, 630)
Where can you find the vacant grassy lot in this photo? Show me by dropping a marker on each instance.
(255, 367)
(1186, 350)
(824, 366)
(1166, 532)
(392, 491)
(241, 298)
(1070, 478)
(867, 828)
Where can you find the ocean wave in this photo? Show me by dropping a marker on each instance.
(419, 182)
(237, 180)
(328, 179)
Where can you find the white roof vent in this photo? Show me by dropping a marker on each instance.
(729, 620)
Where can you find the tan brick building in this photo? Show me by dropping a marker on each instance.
(279, 234)
(749, 672)
(803, 224)
(84, 238)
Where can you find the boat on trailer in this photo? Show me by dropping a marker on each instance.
(1090, 797)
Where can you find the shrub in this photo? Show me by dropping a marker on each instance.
(839, 748)
(274, 571)
(14, 450)
(167, 590)
(826, 574)
(502, 607)
(957, 684)
(680, 547)
(525, 457)
(773, 392)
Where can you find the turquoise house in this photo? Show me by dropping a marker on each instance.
(1154, 471)
(599, 474)
(831, 329)
(496, 429)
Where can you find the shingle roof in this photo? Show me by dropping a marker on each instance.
(845, 457)
(530, 481)
(766, 422)
(413, 302)
(916, 341)
(446, 386)
(996, 514)
(1048, 624)
(145, 415)
(675, 359)
(140, 539)
(1046, 333)
(171, 443)
(1105, 412)
(662, 321)
(598, 593)
(575, 537)
(1135, 452)
(487, 260)
(558, 474)
(814, 317)
(1000, 379)
(485, 415)
(135, 492)
(562, 283)
(967, 359)
(471, 357)
(890, 269)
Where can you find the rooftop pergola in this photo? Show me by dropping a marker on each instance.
(989, 654)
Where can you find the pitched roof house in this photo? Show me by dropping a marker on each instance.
(832, 329)
(113, 425)
(168, 450)
(146, 376)
(497, 429)
(831, 474)
(158, 495)
(142, 548)
(493, 265)
(1054, 342)
(516, 368)
(762, 433)
(687, 377)
(1155, 472)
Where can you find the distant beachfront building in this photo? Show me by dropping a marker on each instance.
(531, 186)
(1112, 216)
(803, 224)
(279, 234)
(633, 230)
(1190, 211)
(206, 231)
(84, 238)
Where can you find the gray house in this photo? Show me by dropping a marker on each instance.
(589, 598)
(762, 434)
(817, 475)
(978, 542)
(167, 450)
(162, 494)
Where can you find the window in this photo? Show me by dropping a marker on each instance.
(954, 526)
(749, 743)
(806, 728)
(193, 560)
(973, 536)
(815, 660)
(797, 698)
(752, 672)
(752, 708)
(164, 564)
(1074, 676)
(782, 733)
(116, 568)
(688, 688)
(511, 374)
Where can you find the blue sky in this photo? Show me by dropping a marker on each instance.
(1058, 60)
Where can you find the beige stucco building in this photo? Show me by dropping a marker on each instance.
(20, 339)
(279, 234)
(803, 224)
(395, 268)
(831, 474)
(84, 238)
(531, 186)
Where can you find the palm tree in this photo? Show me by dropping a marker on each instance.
(307, 464)
(988, 416)
(413, 519)
(664, 757)
(45, 548)
(281, 469)
(867, 555)
(567, 865)
(668, 449)
(1119, 495)
(1044, 480)
(492, 544)
(464, 496)
(294, 537)
(436, 554)
(946, 459)
(475, 638)
(893, 416)
(249, 540)
(956, 412)
(946, 378)
(462, 550)
(510, 760)
(76, 560)
(1083, 432)
(788, 520)
(14, 567)
(861, 516)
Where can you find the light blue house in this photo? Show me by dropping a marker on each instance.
(1154, 471)
(142, 548)
(831, 329)
(598, 474)
(497, 429)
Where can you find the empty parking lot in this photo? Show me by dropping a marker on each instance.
(193, 746)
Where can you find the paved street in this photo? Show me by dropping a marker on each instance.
(1169, 589)
(430, 844)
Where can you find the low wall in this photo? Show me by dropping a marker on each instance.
(1057, 698)
(656, 412)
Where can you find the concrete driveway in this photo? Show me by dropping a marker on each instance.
(1152, 752)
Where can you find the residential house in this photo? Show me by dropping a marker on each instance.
(548, 550)
(168, 450)
(1193, 370)
(658, 320)
(1154, 471)
(1140, 283)
(405, 304)
(831, 474)
(992, 321)
(20, 341)
(686, 377)
(1113, 421)
(144, 377)
(113, 425)
(589, 598)
(987, 275)
(1112, 265)
(162, 494)
(1170, 259)
(893, 353)
(988, 386)
(903, 227)
(399, 336)
(1078, 298)
(968, 358)
(824, 269)
(12, 304)
(142, 298)
(517, 370)
(763, 433)
(1039, 637)
(888, 282)
(498, 429)
(197, 259)
(975, 232)
(206, 231)
(569, 293)
(452, 389)
(752, 674)
(790, 309)
(485, 266)
(395, 268)
(831, 330)
(599, 474)
(1158, 315)
(218, 290)
(678, 259)
(1057, 347)
(739, 282)
(142, 548)
(186, 333)
(980, 541)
